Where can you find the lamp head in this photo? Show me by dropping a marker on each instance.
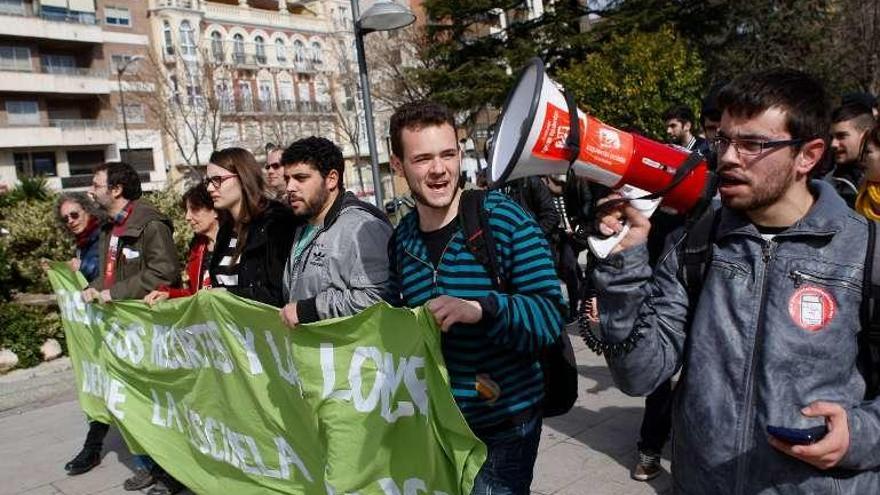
(385, 15)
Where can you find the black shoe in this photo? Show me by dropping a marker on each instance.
(142, 478)
(83, 462)
(166, 486)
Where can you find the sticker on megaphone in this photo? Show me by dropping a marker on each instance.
(602, 246)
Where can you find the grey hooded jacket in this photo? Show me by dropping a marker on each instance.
(344, 269)
(774, 329)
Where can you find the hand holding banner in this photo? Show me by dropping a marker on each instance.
(228, 400)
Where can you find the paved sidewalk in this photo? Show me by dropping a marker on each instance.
(588, 451)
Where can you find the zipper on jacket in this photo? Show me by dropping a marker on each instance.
(800, 277)
(748, 417)
(434, 269)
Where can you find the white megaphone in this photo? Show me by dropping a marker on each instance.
(541, 132)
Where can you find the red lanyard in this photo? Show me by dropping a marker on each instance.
(113, 249)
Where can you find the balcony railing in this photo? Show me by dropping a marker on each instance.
(244, 105)
(21, 9)
(82, 124)
(87, 18)
(179, 4)
(27, 10)
(246, 54)
(16, 66)
(74, 71)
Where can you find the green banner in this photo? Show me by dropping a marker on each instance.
(228, 400)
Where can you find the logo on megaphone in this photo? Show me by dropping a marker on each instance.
(541, 132)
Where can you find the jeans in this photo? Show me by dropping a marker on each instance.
(143, 462)
(510, 461)
(657, 421)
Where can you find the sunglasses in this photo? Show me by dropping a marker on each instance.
(273, 166)
(74, 215)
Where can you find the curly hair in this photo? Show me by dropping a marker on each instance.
(318, 152)
(85, 202)
(415, 116)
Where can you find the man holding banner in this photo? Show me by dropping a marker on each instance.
(338, 264)
(136, 255)
(491, 339)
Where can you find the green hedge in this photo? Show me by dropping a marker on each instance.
(28, 214)
(23, 329)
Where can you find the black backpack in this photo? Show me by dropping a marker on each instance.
(557, 360)
(696, 255)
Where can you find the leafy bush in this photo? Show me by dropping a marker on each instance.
(167, 201)
(6, 274)
(30, 188)
(23, 330)
(33, 235)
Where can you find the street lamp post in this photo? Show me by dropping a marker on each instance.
(119, 72)
(384, 15)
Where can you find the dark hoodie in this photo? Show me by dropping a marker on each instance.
(261, 265)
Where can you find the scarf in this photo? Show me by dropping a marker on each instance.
(86, 236)
(868, 200)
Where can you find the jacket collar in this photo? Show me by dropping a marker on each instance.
(826, 216)
(141, 214)
(346, 199)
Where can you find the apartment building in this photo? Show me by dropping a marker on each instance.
(60, 111)
(261, 68)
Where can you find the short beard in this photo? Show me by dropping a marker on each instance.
(769, 194)
(312, 208)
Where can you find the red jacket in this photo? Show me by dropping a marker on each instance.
(197, 250)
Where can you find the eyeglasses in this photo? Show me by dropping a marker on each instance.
(748, 147)
(218, 180)
(74, 215)
(273, 166)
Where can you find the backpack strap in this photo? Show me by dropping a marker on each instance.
(474, 221)
(869, 337)
(696, 254)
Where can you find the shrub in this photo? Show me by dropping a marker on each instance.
(33, 235)
(167, 201)
(23, 330)
(29, 188)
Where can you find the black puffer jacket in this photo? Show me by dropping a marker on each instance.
(261, 266)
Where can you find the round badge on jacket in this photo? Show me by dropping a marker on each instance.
(811, 308)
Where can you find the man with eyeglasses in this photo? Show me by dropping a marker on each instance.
(136, 255)
(769, 338)
(273, 171)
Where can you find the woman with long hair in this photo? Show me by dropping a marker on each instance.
(205, 223)
(254, 242)
(82, 218)
(868, 200)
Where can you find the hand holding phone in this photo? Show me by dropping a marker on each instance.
(798, 436)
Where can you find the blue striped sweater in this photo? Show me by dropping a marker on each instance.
(507, 345)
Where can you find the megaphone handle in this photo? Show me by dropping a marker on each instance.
(601, 246)
(573, 141)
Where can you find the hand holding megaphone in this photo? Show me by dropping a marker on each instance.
(623, 220)
(542, 132)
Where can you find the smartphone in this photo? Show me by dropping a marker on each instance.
(798, 436)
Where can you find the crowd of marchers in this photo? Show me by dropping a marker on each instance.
(766, 343)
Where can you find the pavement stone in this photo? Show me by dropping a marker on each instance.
(590, 450)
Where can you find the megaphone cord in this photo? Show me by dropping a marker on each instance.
(588, 317)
